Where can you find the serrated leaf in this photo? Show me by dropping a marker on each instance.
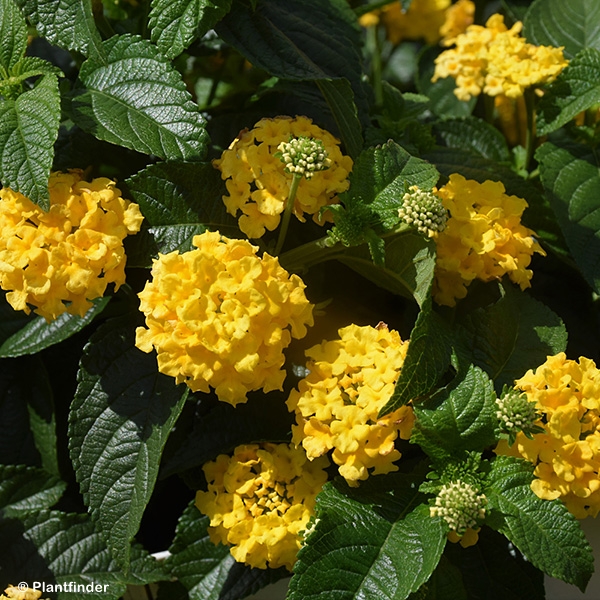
(470, 133)
(572, 183)
(13, 34)
(574, 24)
(459, 418)
(299, 40)
(368, 544)
(66, 23)
(445, 583)
(38, 334)
(176, 24)
(543, 530)
(28, 130)
(27, 489)
(207, 570)
(485, 568)
(380, 175)
(427, 359)
(121, 416)
(23, 385)
(340, 99)
(134, 97)
(511, 336)
(59, 549)
(576, 89)
(178, 200)
(409, 265)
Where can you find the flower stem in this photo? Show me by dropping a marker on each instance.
(530, 137)
(287, 213)
(312, 253)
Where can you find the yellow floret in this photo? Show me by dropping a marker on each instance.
(483, 238)
(258, 184)
(567, 454)
(57, 261)
(221, 316)
(337, 404)
(260, 501)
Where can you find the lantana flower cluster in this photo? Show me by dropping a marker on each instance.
(497, 61)
(337, 403)
(430, 20)
(483, 238)
(567, 453)
(221, 316)
(260, 501)
(258, 183)
(57, 261)
(16, 593)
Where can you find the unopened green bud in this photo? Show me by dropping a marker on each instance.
(303, 156)
(516, 413)
(460, 505)
(424, 211)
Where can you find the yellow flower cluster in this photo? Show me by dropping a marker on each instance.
(337, 404)
(497, 61)
(258, 184)
(483, 238)
(220, 315)
(430, 20)
(567, 454)
(14, 593)
(57, 261)
(260, 501)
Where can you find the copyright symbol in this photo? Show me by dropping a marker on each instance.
(22, 586)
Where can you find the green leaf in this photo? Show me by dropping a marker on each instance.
(340, 99)
(459, 418)
(516, 9)
(409, 265)
(13, 35)
(27, 489)
(368, 543)
(576, 89)
(38, 334)
(513, 335)
(134, 97)
(572, 183)
(62, 549)
(470, 133)
(28, 130)
(176, 24)
(485, 569)
(574, 24)
(178, 201)
(304, 40)
(66, 23)
(427, 359)
(208, 571)
(24, 388)
(120, 418)
(543, 530)
(380, 176)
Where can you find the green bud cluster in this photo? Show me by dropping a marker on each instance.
(304, 156)
(460, 505)
(424, 211)
(516, 413)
